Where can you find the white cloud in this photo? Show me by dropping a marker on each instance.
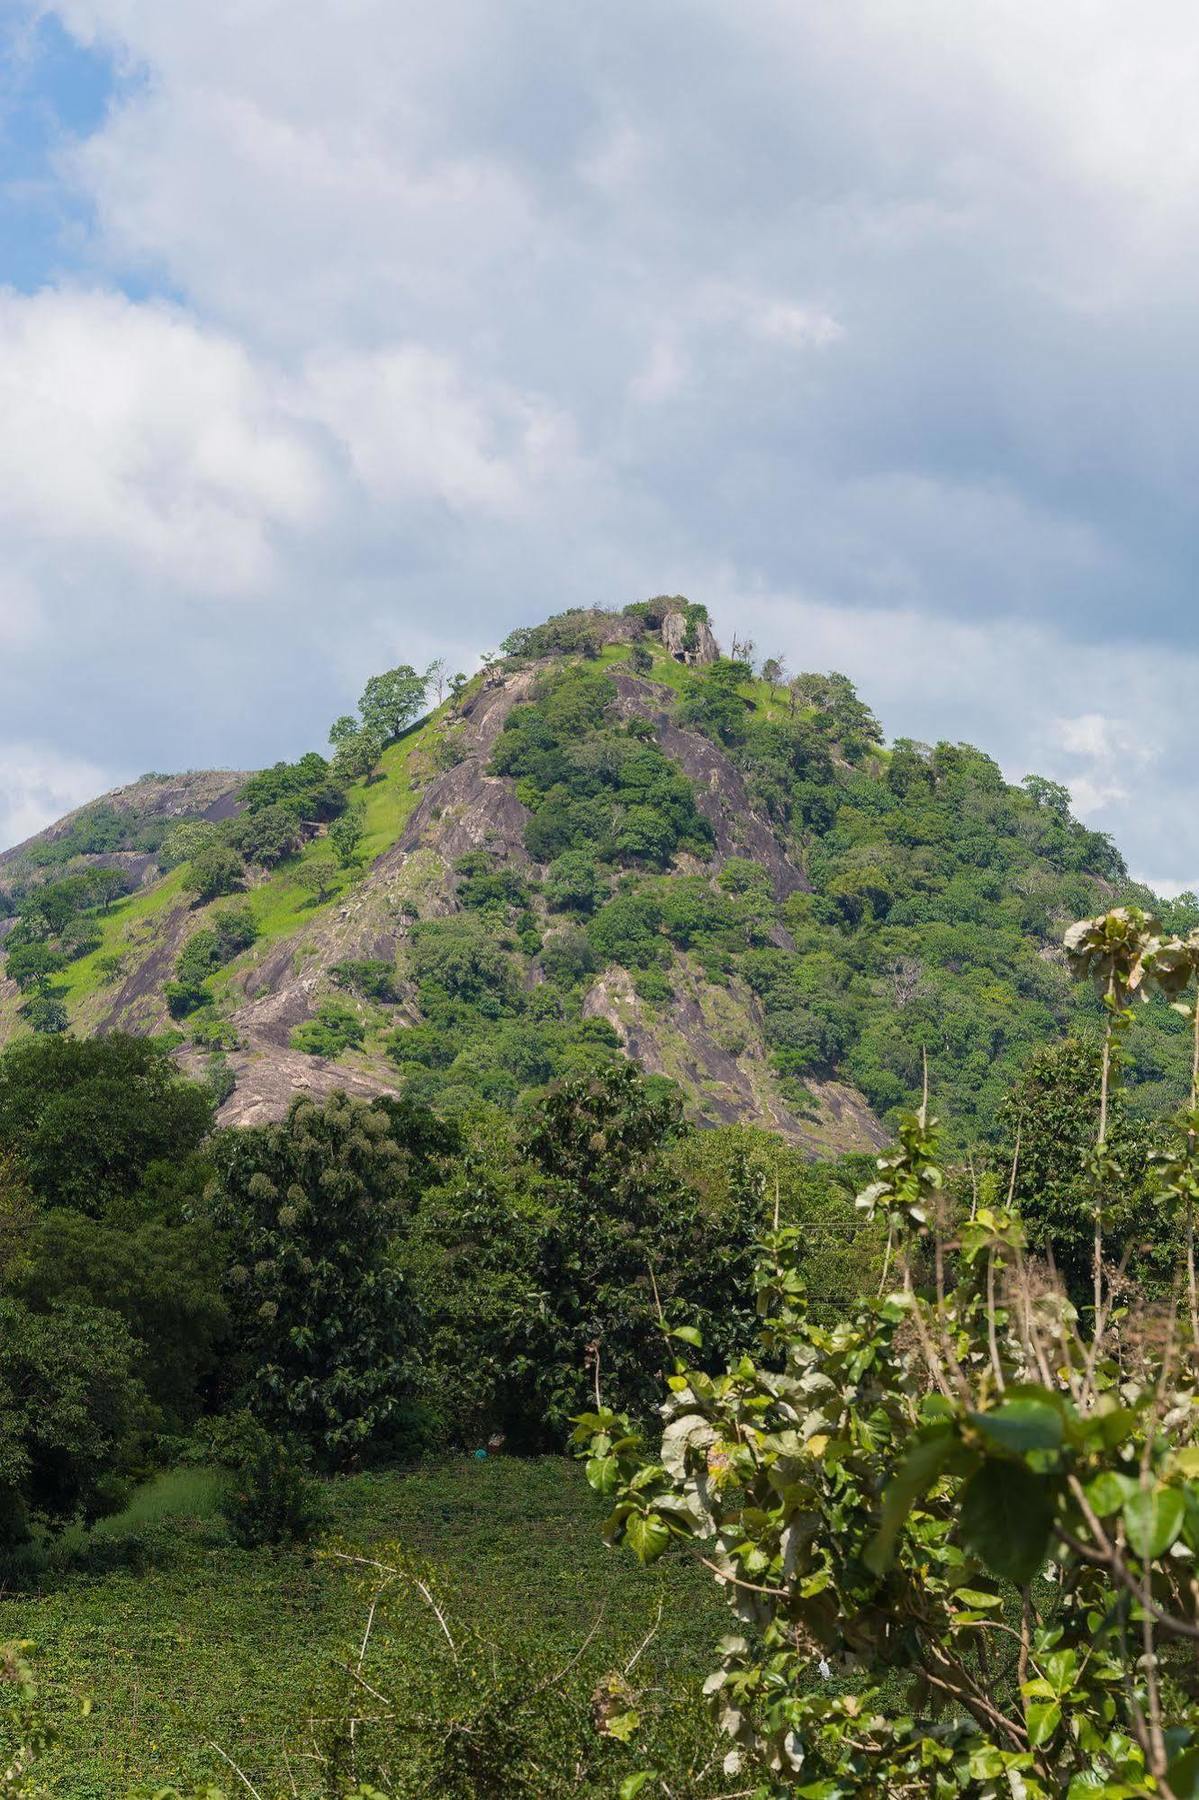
(662, 374)
(1167, 888)
(802, 327)
(1108, 758)
(38, 784)
(411, 426)
(129, 430)
(865, 320)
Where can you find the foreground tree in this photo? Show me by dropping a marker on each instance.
(309, 1209)
(958, 1531)
(85, 1120)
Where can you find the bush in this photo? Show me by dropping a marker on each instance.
(628, 930)
(215, 870)
(336, 1028)
(71, 1410)
(268, 836)
(267, 1496)
(370, 980)
(573, 882)
(85, 1120)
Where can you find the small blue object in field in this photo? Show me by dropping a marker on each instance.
(480, 1456)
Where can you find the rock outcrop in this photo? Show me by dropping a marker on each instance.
(692, 643)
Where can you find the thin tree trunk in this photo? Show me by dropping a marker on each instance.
(1192, 1289)
(1104, 1084)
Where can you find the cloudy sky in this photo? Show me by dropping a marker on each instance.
(341, 332)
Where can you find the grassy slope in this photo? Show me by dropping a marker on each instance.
(280, 904)
(229, 1646)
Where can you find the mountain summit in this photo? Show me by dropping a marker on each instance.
(613, 841)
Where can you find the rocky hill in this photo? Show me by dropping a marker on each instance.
(614, 841)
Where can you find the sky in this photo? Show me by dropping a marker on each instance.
(339, 333)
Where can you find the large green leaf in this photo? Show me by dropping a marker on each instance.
(1044, 1717)
(1153, 1519)
(1006, 1519)
(647, 1534)
(1020, 1425)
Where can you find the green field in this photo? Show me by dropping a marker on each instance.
(206, 1645)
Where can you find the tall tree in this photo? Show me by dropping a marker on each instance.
(391, 701)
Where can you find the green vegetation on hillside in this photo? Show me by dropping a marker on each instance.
(938, 891)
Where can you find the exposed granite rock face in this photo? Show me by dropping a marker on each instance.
(703, 647)
(711, 1039)
(205, 794)
(267, 1083)
(721, 794)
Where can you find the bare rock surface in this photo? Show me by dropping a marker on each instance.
(720, 791)
(703, 647)
(710, 1039)
(200, 793)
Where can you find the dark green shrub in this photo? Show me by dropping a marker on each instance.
(335, 1028)
(370, 980)
(268, 1496)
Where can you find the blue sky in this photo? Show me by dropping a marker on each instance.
(335, 334)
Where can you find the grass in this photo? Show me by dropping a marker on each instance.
(214, 1645)
(175, 1494)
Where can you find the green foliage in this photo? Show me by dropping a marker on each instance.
(318, 876)
(391, 701)
(267, 1496)
(714, 703)
(460, 959)
(184, 841)
(1052, 1110)
(573, 882)
(357, 749)
(591, 785)
(160, 1278)
(336, 1028)
(31, 966)
(572, 633)
(940, 1464)
(535, 1258)
(100, 830)
(230, 930)
(70, 1412)
(204, 1642)
(45, 1012)
(215, 870)
(304, 789)
(371, 979)
(266, 836)
(85, 1121)
(25, 1724)
(307, 1210)
(347, 832)
(628, 930)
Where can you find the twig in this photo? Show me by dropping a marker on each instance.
(647, 1640)
(240, 1773)
(751, 1586)
(552, 1680)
